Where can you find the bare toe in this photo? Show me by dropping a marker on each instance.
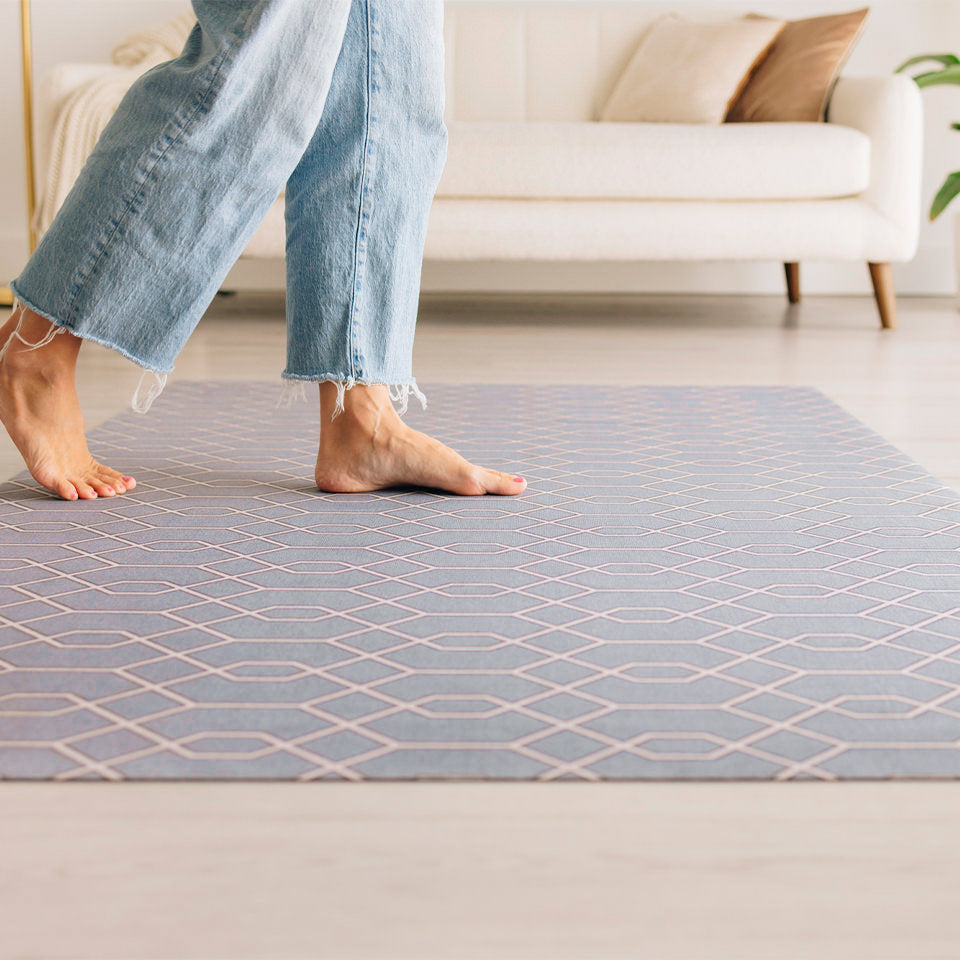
(111, 478)
(102, 488)
(504, 484)
(65, 489)
(84, 489)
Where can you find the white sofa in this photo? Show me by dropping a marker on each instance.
(532, 175)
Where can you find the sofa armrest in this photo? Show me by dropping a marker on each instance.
(890, 111)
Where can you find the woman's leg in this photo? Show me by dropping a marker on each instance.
(357, 207)
(181, 177)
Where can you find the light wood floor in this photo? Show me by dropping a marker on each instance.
(858, 871)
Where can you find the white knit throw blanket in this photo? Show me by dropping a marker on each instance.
(86, 111)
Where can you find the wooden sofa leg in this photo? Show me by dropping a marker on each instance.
(882, 276)
(793, 281)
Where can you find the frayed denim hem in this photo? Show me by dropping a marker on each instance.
(143, 397)
(294, 389)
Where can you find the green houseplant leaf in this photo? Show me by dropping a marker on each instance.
(949, 73)
(945, 59)
(947, 193)
(936, 78)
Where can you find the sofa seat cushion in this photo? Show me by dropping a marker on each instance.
(654, 161)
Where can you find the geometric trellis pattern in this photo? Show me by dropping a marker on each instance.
(700, 582)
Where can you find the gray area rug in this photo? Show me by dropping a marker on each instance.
(699, 583)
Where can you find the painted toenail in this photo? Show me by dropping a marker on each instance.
(128, 479)
(518, 479)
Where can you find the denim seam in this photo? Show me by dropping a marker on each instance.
(172, 135)
(359, 249)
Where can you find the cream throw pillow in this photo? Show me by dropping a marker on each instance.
(690, 72)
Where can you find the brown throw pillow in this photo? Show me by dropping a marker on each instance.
(794, 81)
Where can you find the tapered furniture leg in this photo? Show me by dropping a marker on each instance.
(793, 281)
(882, 276)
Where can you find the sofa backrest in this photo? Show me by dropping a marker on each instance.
(543, 59)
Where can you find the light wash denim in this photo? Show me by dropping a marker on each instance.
(340, 103)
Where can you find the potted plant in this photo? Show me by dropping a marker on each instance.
(947, 72)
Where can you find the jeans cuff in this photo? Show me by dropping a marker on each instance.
(294, 388)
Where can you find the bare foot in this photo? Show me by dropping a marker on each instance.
(368, 447)
(40, 409)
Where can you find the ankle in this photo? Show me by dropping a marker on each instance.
(366, 408)
(53, 362)
(33, 345)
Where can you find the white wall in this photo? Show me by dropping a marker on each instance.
(88, 29)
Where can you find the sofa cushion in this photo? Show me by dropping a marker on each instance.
(663, 161)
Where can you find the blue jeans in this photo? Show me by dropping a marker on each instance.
(340, 103)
